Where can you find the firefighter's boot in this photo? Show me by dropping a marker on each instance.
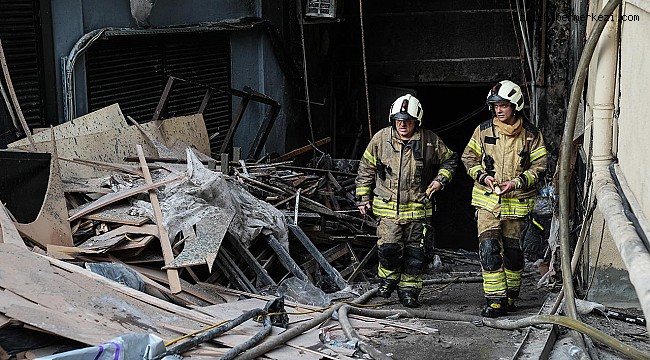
(409, 297)
(495, 307)
(512, 296)
(387, 287)
(512, 307)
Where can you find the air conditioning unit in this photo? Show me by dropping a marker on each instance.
(321, 9)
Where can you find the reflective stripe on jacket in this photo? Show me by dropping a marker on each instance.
(393, 171)
(520, 158)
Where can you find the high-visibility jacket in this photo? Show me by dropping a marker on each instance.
(520, 158)
(394, 174)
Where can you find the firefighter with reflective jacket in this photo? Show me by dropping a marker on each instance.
(400, 170)
(505, 157)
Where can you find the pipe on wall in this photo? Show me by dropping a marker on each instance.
(564, 178)
(631, 248)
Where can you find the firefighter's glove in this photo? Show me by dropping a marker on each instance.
(364, 208)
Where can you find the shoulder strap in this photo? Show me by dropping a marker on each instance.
(486, 124)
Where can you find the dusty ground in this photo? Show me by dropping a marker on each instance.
(458, 340)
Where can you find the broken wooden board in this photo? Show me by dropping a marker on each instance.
(9, 234)
(113, 237)
(121, 195)
(104, 135)
(117, 214)
(79, 305)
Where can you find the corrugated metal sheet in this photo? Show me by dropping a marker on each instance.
(21, 40)
(133, 71)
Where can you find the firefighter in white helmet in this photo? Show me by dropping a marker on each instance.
(401, 169)
(506, 158)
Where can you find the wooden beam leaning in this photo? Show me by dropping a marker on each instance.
(329, 269)
(165, 244)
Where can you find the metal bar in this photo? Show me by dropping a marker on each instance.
(362, 263)
(163, 98)
(204, 103)
(285, 258)
(233, 126)
(329, 269)
(263, 133)
(261, 272)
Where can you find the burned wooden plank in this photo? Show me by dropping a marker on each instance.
(329, 269)
(331, 254)
(301, 150)
(263, 133)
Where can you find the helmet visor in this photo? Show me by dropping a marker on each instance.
(402, 116)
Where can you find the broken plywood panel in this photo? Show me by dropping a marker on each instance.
(76, 297)
(104, 135)
(9, 234)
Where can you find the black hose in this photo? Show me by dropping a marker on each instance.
(211, 334)
(289, 334)
(266, 330)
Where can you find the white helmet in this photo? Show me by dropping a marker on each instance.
(506, 90)
(406, 107)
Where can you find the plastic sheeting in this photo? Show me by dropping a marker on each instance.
(208, 195)
(127, 347)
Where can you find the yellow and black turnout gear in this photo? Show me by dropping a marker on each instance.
(393, 176)
(507, 153)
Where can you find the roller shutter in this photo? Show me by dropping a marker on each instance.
(21, 40)
(133, 71)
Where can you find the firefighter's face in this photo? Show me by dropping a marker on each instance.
(405, 128)
(504, 111)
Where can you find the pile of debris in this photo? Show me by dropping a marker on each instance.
(143, 205)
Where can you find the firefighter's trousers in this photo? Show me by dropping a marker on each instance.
(401, 251)
(502, 260)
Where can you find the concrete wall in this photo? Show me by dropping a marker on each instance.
(253, 62)
(633, 121)
(607, 278)
(606, 272)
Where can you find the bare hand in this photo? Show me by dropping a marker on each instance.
(364, 209)
(506, 187)
(489, 181)
(433, 187)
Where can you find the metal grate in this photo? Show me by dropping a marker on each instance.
(133, 71)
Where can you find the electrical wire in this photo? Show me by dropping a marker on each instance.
(460, 120)
(365, 70)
